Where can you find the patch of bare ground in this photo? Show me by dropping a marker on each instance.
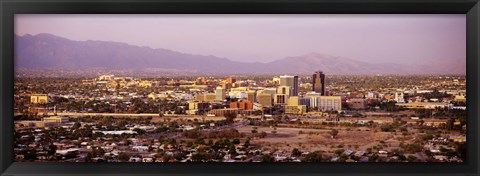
(319, 139)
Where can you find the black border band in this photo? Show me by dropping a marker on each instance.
(10, 7)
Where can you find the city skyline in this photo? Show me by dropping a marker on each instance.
(248, 38)
(341, 88)
(241, 119)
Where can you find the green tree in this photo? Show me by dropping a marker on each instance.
(313, 157)
(411, 158)
(263, 134)
(52, 149)
(76, 125)
(167, 158)
(232, 150)
(197, 157)
(334, 133)
(267, 158)
(89, 157)
(247, 143)
(123, 157)
(230, 117)
(296, 152)
(339, 151)
(30, 154)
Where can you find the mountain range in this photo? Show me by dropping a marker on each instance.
(53, 52)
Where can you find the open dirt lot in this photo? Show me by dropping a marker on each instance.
(356, 139)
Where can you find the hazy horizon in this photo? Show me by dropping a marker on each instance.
(265, 38)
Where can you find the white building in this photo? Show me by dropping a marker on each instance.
(106, 77)
(326, 103)
(399, 98)
(219, 94)
(238, 94)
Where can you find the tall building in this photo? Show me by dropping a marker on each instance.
(295, 86)
(280, 99)
(265, 99)
(220, 94)
(231, 80)
(319, 82)
(291, 81)
(287, 90)
(252, 96)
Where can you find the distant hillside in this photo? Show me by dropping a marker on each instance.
(50, 51)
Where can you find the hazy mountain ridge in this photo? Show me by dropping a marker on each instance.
(50, 51)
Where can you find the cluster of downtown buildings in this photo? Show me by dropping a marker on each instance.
(251, 99)
(305, 99)
(216, 97)
(203, 96)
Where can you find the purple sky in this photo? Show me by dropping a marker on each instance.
(263, 38)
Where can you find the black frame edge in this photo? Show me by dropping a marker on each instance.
(6, 88)
(473, 65)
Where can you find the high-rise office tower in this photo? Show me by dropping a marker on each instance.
(295, 86)
(319, 82)
(291, 81)
(219, 94)
(252, 95)
(287, 90)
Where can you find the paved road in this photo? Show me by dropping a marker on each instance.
(104, 114)
(144, 115)
(109, 114)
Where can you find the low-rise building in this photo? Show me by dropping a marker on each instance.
(34, 124)
(209, 97)
(222, 112)
(358, 103)
(38, 98)
(459, 138)
(299, 109)
(56, 119)
(424, 105)
(293, 101)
